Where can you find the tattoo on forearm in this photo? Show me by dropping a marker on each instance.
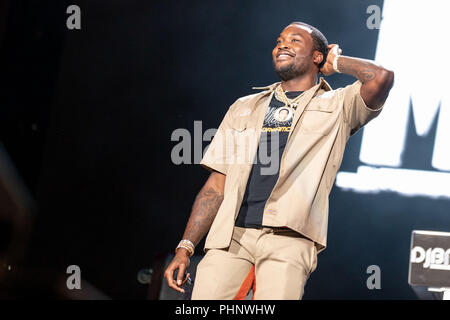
(362, 69)
(203, 213)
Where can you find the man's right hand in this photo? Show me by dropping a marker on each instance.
(181, 262)
(204, 211)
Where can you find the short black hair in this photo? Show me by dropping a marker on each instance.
(319, 40)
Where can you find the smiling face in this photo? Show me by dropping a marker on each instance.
(294, 53)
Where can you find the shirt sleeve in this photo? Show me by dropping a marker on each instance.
(219, 152)
(356, 112)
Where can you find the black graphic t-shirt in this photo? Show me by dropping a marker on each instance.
(266, 169)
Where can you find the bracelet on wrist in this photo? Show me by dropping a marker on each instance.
(335, 64)
(189, 251)
(188, 245)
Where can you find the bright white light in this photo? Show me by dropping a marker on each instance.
(411, 34)
(407, 182)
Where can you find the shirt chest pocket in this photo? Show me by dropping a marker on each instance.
(318, 118)
(239, 125)
(243, 138)
(240, 120)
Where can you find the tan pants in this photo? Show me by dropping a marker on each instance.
(275, 262)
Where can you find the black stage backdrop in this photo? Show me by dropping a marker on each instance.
(87, 116)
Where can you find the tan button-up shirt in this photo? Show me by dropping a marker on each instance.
(322, 123)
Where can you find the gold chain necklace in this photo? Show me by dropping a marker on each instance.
(289, 103)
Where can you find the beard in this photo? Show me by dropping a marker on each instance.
(290, 71)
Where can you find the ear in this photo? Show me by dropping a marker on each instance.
(317, 57)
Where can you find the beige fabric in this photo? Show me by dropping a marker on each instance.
(283, 261)
(322, 124)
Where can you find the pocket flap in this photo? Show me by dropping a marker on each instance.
(239, 128)
(321, 107)
(240, 124)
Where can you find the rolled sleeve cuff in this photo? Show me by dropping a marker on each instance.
(361, 102)
(211, 166)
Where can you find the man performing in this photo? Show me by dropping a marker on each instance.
(268, 221)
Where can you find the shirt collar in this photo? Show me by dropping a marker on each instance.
(323, 84)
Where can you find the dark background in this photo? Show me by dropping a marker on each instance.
(87, 117)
